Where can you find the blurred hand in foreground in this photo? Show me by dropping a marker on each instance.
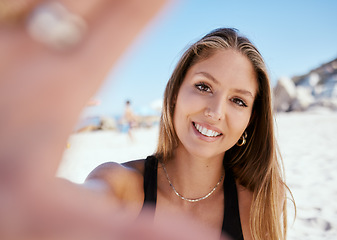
(53, 58)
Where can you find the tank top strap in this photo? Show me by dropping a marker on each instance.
(150, 180)
(231, 222)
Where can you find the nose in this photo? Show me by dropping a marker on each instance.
(215, 110)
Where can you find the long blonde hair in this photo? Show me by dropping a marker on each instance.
(256, 165)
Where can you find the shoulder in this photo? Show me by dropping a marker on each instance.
(110, 170)
(125, 180)
(135, 165)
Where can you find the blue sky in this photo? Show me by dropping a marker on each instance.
(293, 37)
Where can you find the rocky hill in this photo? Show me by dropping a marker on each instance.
(317, 88)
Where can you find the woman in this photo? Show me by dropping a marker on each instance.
(216, 158)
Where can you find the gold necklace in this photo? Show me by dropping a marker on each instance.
(191, 199)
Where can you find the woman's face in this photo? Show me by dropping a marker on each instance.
(214, 104)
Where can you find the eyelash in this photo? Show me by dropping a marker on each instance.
(239, 102)
(203, 87)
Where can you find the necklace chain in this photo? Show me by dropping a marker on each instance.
(191, 199)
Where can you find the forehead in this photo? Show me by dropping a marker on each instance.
(228, 67)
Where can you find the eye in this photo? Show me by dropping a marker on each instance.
(239, 102)
(203, 87)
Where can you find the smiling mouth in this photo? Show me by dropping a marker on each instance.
(205, 131)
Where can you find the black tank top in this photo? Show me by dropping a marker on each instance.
(231, 222)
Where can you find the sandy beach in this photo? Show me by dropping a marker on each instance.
(307, 142)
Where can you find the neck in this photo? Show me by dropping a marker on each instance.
(194, 176)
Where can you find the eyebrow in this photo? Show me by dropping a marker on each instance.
(237, 90)
(209, 76)
(244, 92)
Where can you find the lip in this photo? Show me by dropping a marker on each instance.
(203, 137)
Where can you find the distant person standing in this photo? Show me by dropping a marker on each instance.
(129, 119)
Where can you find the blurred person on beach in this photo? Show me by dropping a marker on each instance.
(53, 57)
(217, 158)
(129, 119)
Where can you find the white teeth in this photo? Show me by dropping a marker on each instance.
(209, 133)
(205, 131)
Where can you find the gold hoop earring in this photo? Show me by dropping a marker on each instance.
(243, 140)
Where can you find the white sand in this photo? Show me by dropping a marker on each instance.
(308, 146)
(90, 149)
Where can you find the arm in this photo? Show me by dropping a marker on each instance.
(42, 92)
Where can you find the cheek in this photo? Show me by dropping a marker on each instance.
(180, 113)
(189, 101)
(238, 122)
(185, 106)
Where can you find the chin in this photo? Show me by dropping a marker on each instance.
(206, 154)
